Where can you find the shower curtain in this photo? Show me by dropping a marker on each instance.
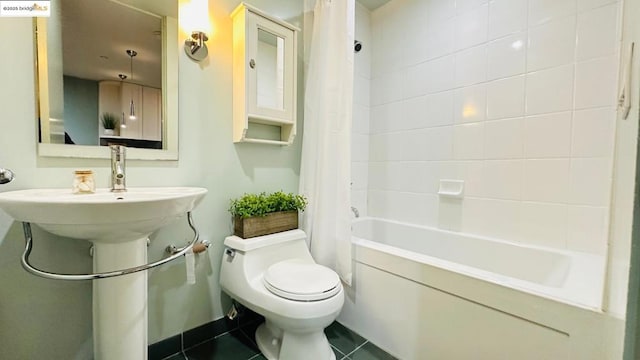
(325, 170)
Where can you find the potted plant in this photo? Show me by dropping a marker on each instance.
(109, 123)
(263, 214)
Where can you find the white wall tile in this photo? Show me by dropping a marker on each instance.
(468, 141)
(546, 180)
(544, 224)
(551, 44)
(547, 135)
(541, 11)
(506, 56)
(505, 98)
(503, 179)
(440, 38)
(471, 27)
(429, 77)
(410, 145)
(469, 104)
(438, 142)
(593, 133)
(360, 123)
(414, 208)
(386, 117)
(503, 139)
(597, 30)
(415, 32)
(463, 6)
(494, 218)
(359, 175)
(361, 91)
(387, 88)
(378, 147)
(590, 4)
(506, 17)
(472, 174)
(471, 66)
(400, 176)
(550, 90)
(440, 9)
(359, 147)
(362, 61)
(596, 82)
(587, 229)
(439, 109)
(415, 112)
(537, 178)
(590, 181)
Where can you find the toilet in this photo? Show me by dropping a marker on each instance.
(275, 276)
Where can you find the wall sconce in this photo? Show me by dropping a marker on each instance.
(197, 21)
(195, 47)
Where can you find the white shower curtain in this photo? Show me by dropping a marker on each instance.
(326, 146)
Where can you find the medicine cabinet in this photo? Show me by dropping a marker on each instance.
(264, 77)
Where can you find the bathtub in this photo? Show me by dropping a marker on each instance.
(425, 293)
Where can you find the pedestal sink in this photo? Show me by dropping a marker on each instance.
(118, 225)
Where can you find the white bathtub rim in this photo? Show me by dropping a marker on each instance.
(584, 283)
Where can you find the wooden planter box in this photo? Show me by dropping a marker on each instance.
(264, 225)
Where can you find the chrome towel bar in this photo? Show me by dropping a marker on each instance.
(26, 227)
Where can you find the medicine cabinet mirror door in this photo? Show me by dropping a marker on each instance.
(271, 71)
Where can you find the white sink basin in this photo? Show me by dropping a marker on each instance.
(103, 216)
(118, 224)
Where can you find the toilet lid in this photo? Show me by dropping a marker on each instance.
(301, 280)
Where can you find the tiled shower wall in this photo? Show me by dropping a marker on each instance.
(361, 111)
(515, 97)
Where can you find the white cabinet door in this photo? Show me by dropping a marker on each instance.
(109, 102)
(152, 110)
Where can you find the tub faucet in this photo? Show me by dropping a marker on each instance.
(6, 176)
(355, 211)
(118, 162)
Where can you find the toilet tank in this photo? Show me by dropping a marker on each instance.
(253, 256)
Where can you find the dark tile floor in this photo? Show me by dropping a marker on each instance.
(239, 345)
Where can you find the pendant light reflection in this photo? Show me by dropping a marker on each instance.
(123, 125)
(132, 107)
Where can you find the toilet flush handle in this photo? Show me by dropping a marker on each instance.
(230, 253)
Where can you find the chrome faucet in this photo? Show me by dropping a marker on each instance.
(118, 162)
(355, 211)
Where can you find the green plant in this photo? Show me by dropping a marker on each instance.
(109, 121)
(261, 204)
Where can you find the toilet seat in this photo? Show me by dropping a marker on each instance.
(301, 280)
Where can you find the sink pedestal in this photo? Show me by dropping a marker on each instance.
(118, 224)
(120, 303)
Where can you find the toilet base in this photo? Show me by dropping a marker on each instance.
(276, 344)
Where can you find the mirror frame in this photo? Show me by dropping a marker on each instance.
(170, 53)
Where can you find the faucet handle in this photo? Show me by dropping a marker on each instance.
(6, 176)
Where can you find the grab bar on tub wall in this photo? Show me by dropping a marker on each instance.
(26, 227)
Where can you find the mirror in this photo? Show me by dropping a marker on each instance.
(270, 70)
(107, 60)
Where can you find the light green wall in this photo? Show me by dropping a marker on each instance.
(41, 317)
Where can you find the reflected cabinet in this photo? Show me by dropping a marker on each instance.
(264, 77)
